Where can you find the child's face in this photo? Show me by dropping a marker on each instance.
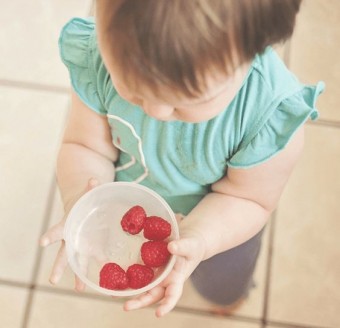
(218, 95)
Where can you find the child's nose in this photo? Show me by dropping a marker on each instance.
(158, 111)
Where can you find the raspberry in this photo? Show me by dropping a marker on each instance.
(156, 228)
(155, 253)
(133, 220)
(139, 275)
(112, 276)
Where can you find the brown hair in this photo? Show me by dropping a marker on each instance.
(174, 43)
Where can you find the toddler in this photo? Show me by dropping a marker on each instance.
(189, 99)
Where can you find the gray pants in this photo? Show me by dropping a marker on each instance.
(228, 276)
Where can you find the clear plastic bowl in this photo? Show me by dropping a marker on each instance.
(93, 234)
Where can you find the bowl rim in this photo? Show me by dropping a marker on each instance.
(70, 248)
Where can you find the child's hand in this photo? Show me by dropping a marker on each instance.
(190, 251)
(55, 234)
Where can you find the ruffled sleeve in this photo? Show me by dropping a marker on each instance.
(77, 52)
(279, 128)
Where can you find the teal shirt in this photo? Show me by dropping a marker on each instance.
(181, 160)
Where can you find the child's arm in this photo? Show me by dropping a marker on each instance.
(237, 208)
(86, 151)
(85, 160)
(243, 200)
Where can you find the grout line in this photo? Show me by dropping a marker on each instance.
(265, 321)
(203, 313)
(181, 309)
(178, 309)
(34, 86)
(12, 283)
(36, 266)
(269, 269)
(281, 324)
(322, 122)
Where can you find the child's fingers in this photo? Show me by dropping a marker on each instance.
(174, 288)
(184, 247)
(173, 294)
(54, 234)
(152, 296)
(60, 265)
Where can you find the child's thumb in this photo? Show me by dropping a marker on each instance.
(182, 247)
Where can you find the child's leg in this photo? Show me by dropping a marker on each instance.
(227, 277)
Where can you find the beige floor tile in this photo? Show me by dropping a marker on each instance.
(29, 39)
(29, 135)
(12, 305)
(253, 307)
(60, 311)
(305, 284)
(315, 51)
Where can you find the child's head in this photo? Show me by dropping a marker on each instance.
(178, 46)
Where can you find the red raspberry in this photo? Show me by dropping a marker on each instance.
(112, 276)
(156, 228)
(133, 220)
(139, 275)
(155, 253)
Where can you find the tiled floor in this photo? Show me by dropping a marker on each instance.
(298, 274)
